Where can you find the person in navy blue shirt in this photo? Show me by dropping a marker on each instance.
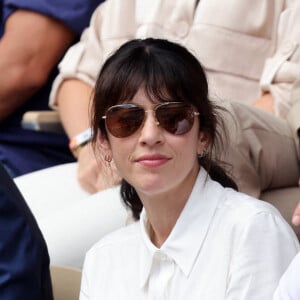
(24, 259)
(34, 35)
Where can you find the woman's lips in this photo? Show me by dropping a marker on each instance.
(156, 160)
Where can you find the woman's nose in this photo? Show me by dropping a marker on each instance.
(151, 132)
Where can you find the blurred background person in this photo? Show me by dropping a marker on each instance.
(250, 58)
(24, 259)
(34, 36)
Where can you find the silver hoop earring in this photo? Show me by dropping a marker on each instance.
(108, 159)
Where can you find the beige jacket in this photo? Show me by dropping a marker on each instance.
(247, 47)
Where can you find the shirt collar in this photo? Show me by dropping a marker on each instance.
(186, 239)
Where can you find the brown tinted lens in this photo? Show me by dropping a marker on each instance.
(176, 118)
(123, 120)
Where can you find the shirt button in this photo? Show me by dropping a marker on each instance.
(161, 256)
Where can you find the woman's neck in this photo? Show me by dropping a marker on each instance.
(164, 208)
(163, 212)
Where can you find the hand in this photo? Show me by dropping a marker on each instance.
(265, 102)
(94, 174)
(296, 214)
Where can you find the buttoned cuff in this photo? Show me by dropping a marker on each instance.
(273, 64)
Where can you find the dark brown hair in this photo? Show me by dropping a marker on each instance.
(168, 72)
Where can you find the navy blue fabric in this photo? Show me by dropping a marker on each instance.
(24, 258)
(1, 17)
(74, 13)
(22, 150)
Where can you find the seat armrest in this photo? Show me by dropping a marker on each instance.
(285, 200)
(46, 121)
(65, 282)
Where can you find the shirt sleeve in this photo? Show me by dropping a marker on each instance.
(112, 24)
(282, 70)
(264, 248)
(75, 14)
(83, 288)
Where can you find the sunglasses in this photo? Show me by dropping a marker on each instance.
(125, 119)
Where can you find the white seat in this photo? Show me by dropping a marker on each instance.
(70, 219)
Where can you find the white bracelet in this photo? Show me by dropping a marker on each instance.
(79, 140)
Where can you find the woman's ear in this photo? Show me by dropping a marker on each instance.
(203, 142)
(104, 144)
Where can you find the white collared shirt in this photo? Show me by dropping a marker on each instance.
(289, 285)
(225, 245)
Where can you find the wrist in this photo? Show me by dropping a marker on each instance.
(79, 141)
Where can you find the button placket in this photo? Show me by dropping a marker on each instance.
(165, 271)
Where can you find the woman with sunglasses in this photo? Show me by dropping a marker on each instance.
(195, 236)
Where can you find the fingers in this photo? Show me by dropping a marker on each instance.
(296, 214)
(87, 178)
(88, 169)
(265, 102)
(108, 177)
(95, 174)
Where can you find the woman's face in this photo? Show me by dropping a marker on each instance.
(153, 160)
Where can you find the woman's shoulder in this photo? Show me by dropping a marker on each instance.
(247, 207)
(244, 216)
(233, 201)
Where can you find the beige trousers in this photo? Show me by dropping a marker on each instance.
(262, 151)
